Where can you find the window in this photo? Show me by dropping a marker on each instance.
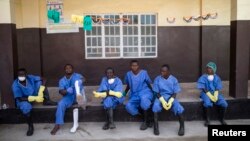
(122, 36)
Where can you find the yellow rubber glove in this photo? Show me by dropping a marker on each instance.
(164, 103)
(32, 98)
(35, 98)
(41, 89)
(170, 102)
(216, 94)
(116, 94)
(212, 98)
(100, 94)
(39, 99)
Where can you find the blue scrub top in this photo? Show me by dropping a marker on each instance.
(32, 86)
(116, 86)
(204, 83)
(168, 86)
(65, 83)
(138, 82)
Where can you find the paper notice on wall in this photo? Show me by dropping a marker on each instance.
(61, 28)
(55, 5)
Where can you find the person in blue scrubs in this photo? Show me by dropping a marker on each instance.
(210, 86)
(141, 94)
(67, 90)
(26, 89)
(109, 83)
(166, 87)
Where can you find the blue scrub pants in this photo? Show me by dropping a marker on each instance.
(140, 100)
(111, 102)
(63, 104)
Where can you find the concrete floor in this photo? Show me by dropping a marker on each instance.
(125, 131)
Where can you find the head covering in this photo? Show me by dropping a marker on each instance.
(212, 65)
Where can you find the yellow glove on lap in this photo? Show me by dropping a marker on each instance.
(31, 98)
(170, 102)
(216, 94)
(212, 98)
(41, 89)
(164, 103)
(99, 94)
(39, 99)
(35, 98)
(116, 94)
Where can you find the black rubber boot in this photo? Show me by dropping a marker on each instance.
(144, 123)
(47, 100)
(106, 125)
(207, 116)
(156, 125)
(222, 112)
(181, 131)
(150, 121)
(30, 124)
(111, 119)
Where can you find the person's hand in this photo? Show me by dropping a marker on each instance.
(41, 90)
(116, 94)
(35, 99)
(216, 94)
(70, 90)
(170, 102)
(31, 98)
(99, 94)
(39, 99)
(164, 103)
(211, 97)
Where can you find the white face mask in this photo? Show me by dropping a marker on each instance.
(21, 78)
(210, 77)
(111, 80)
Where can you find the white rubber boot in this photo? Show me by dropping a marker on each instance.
(75, 118)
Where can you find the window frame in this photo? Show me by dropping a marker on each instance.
(121, 36)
